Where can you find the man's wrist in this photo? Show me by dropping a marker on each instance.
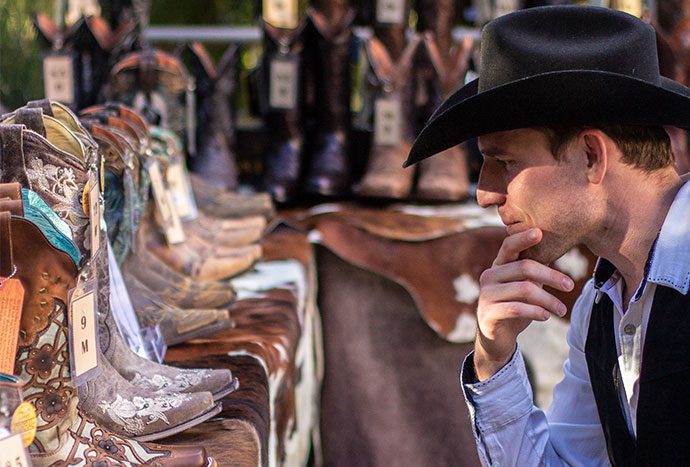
(485, 365)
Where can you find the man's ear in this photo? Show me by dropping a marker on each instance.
(597, 153)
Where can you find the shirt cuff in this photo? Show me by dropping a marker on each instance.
(501, 399)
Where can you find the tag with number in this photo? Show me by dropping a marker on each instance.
(169, 220)
(634, 7)
(58, 77)
(181, 191)
(283, 83)
(281, 13)
(390, 11)
(94, 213)
(12, 453)
(11, 301)
(503, 7)
(24, 423)
(387, 121)
(83, 332)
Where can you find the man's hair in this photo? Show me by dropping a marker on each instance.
(645, 147)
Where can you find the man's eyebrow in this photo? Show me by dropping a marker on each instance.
(492, 151)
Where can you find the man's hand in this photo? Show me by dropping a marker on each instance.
(511, 296)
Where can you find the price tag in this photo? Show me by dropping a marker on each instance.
(94, 213)
(387, 121)
(58, 77)
(281, 13)
(78, 8)
(181, 191)
(390, 11)
(24, 423)
(83, 332)
(11, 301)
(634, 7)
(504, 7)
(12, 453)
(283, 83)
(169, 220)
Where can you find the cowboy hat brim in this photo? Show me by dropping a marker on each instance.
(572, 97)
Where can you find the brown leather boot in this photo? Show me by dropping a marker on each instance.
(328, 44)
(224, 204)
(385, 177)
(65, 433)
(283, 161)
(440, 70)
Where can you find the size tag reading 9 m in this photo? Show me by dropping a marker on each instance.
(83, 332)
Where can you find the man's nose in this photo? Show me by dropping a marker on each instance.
(489, 191)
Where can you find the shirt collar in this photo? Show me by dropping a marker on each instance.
(670, 260)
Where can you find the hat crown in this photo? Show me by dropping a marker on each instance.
(566, 38)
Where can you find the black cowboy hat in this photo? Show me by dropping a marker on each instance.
(559, 65)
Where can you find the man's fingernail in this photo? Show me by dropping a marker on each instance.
(568, 283)
(533, 234)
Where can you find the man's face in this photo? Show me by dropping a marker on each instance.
(531, 188)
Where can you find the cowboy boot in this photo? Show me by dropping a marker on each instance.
(283, 161)
(385, 177)
(440, 70)
(177, 325)
(215, 87)
(65, 434)
(329, 42)
(223, 204)
(109, 387)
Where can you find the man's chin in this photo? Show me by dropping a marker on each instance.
(540, 254)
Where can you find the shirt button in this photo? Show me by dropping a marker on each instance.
(629, 329)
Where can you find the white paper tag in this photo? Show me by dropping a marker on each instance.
(58, 78)
(281, 13)
(390, 11)
(170, 221)
(181, 191)
(283, 84)
(12, 452)
(94, 213)
(504, 7)
(83, 332)
(387, 121)
(634, 7)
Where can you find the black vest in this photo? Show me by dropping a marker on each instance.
(663, 407)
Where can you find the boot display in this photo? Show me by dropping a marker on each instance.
(65, 433)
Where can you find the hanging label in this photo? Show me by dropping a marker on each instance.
(24, 423)
(94, 213)
(504, 7)
(633, 7)
(281, 13)
(283, 84)
(387, 122)
(168, 218)
(11, 301)
(390, 11)
(58, 77)
(181, 191)
(83, 329)
(12, 452)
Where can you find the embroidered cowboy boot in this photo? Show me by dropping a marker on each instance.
(109, 389)
(66, 435)
(440, 70)
(130, 365)
(391, 88)
(328, 44)
(282, 113)
(215, 134)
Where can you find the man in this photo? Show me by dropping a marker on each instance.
(569, 109)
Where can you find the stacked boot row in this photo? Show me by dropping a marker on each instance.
(77, 207)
